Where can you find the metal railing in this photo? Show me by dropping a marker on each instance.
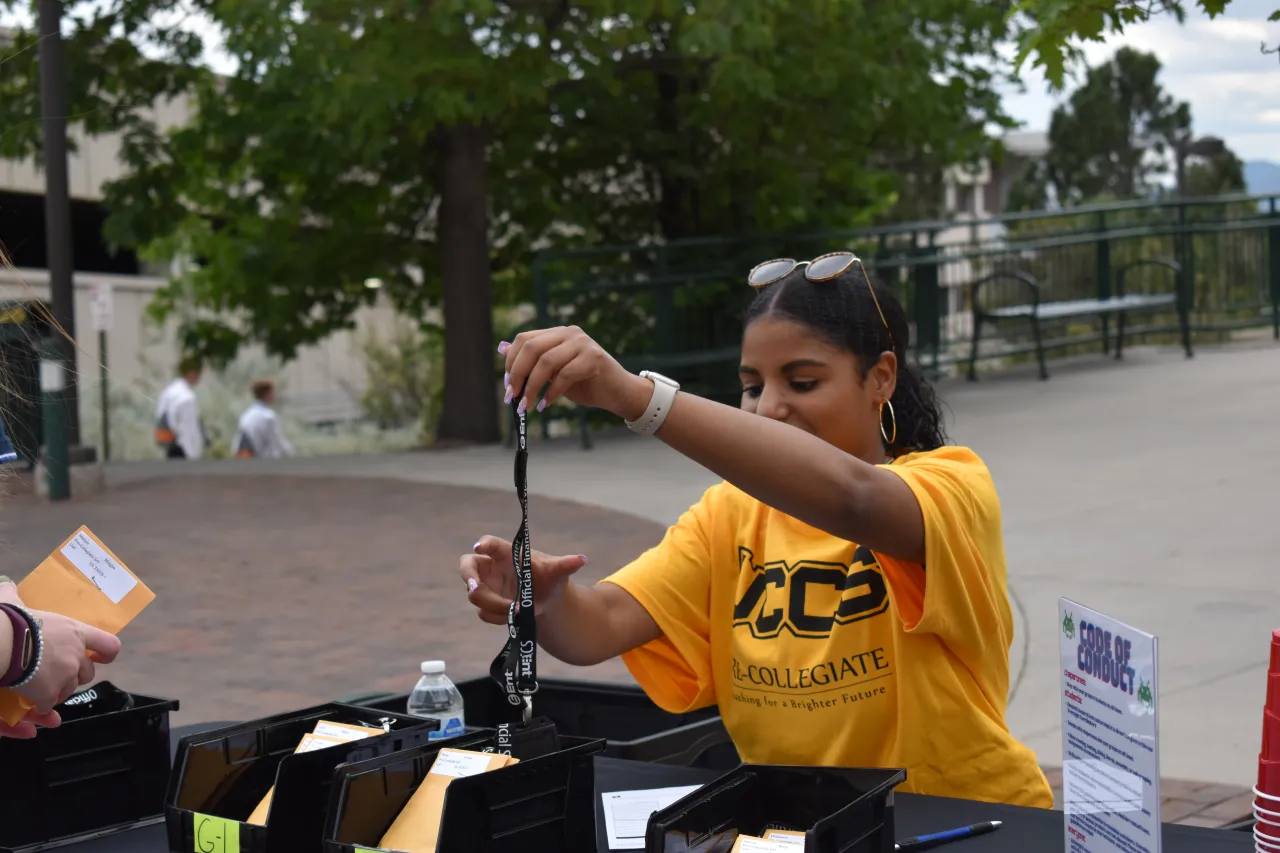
(687, 297)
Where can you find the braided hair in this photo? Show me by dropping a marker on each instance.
(843, 312)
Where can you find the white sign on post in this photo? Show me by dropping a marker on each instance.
(103, 306)
(1110, 734)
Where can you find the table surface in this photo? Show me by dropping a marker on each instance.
(1024, 829)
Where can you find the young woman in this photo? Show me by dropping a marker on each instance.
(842, 595)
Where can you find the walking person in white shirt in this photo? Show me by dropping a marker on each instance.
(179, 431)
(260, 434)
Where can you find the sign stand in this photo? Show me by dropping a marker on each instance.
(1110, 733)
(103, 315)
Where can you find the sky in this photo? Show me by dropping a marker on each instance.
(1216, 66)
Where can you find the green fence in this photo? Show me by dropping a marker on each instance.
(680, 303)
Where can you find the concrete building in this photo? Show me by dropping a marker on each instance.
(974, 195)
(321, 385)
(981, 190)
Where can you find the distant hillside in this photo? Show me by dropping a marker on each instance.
(1262, 177)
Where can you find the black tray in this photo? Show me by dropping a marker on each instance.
(219, 777)
(840, 810)
(634, 727)
(88, 777)
(545, 803)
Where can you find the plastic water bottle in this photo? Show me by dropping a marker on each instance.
(435, 697)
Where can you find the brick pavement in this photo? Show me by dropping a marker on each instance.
(277, 592)
(1187, 802)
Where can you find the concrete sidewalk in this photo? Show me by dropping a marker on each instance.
(1145, 489)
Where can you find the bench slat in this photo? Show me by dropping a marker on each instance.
(1085, 307)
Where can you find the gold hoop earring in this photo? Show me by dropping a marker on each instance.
(888, 439)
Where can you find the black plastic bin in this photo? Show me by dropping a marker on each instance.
(841, 810)
(219, 777)
(634, 727)
(544, 803)
(92, 776)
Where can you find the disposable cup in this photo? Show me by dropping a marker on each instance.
(1265, 797)
(1265, 813)
(1275, 651)
(1270, 735)
(1269, 776)
(1273, 692)
(1263, 844)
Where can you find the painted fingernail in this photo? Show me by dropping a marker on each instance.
(520, 408)
(583, 558)
(475, 547)
(472, 585)
(507, 399)
(503, 347)
(542, 404)
(506, 379)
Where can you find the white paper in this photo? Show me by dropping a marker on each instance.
(458, 764)
(1110, 733)
(757, 845)
(626, 813)
(102, 305)
(795, 842)
(312, 743)
(96, 565)
(342, 733)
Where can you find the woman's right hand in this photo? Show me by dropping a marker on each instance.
(66, 665)
(491, 578)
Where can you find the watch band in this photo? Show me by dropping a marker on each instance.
(664, 395)
(13, 668)
(25, 625)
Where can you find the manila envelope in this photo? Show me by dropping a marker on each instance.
(83, 580)
(330, 734)
(417, 828)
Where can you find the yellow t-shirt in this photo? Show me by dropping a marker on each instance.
(820, 652)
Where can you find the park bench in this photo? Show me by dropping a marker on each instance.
(1036, 311)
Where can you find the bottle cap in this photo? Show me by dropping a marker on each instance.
(432, 667)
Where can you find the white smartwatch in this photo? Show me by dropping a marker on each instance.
(664, 394)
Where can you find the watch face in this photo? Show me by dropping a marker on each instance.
(28, 649)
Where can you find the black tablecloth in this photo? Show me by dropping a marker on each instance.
(1024, 829)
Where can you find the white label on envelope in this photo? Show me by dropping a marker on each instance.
(459, 764)
(106, 574)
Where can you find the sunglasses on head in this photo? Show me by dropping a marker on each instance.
(822, 268)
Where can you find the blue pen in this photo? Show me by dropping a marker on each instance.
(937, 839)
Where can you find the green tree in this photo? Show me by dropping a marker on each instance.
(1058, 26)
(1030, 189)
(1114, 134)
(1209, 176)
(433, 146)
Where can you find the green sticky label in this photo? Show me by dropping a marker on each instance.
(215, 834)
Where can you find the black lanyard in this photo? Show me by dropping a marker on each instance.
(516, 666)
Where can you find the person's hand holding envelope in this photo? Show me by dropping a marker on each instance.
(83, 595)
(68, 644)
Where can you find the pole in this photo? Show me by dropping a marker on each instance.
(102, 391)
(53, 378)
(57, 204)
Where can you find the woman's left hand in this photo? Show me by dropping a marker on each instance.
(27, 727)
(570, 364)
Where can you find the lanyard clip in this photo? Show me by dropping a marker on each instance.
(528, 709)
